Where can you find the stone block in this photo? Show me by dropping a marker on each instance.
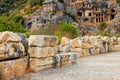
(85, 52)
(60, 48)
(37, 64)
(42, 41)
(87, 46)
(65, 41)
(9, 37)
(62, 57)
(77, 51)
(92, 51)
(116, 48)
(13, 68)
(66, 48)
(11, 50)
(41, 52)
(38, 68)
(76, 43)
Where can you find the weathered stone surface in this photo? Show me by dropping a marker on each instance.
(41, 52)
(66, 48)
(60, 64)
(85, 52)
(11, 50)
(106, 39)
(37, 64)
(116, 48)
(99, 44)
(118, 40)
(9, 37)
(24, 39)
(77, 51)
(42, 41)
(13, 68)
(92, 51)
(76, 43)
(97, 51)
(87, 46)
(110, 48)
(92, 39)
(102, 49)
(64, 58)
(41, 62)
(85, 39)
(65, 41)
(60, 48)
(38, 68)
(61, 57)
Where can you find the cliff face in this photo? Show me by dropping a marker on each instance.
(84, 14)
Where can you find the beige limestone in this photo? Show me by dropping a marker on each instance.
(13, 68)
(65, 41)
(76, 43)
(37, 64)
(116, 48)
(42, 41)
(87, 46)
(9, 37)
(77, 51)
(38, 68)
(11, 50)
(41, 52)
(85, 52)
(66, 48)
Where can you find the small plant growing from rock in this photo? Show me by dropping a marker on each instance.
(103, 25)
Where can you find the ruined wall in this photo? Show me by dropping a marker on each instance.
(13, 55)
(19, 55)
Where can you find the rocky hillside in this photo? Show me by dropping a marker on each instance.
(87, 16)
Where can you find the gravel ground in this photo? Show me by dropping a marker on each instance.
(97, 67)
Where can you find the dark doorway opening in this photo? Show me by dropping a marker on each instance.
(79, 14)
(112, 10)
(89, 14)
(112, 16)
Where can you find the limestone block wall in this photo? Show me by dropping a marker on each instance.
(13, 56)
(90, 45)
(19, 55)
(41, 50)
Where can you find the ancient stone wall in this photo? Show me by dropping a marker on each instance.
(19, 55)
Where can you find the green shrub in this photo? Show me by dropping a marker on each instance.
(66, 30)
(118, 1)
(117, 35)
(104, 33)
(103, 25)
(14, 24)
